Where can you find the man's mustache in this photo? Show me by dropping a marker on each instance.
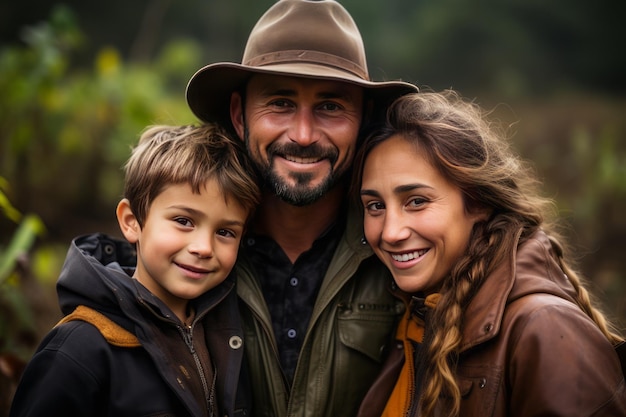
(312, 151)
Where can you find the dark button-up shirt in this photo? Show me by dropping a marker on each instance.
(290, 289)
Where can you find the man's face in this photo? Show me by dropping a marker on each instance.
(301, 133)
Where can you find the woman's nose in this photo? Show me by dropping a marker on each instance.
(395, 228)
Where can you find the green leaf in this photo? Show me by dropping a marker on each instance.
(9, 211)
(21, 243)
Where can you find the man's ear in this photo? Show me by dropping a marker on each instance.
(236, 113)
(368, 110)
(128, 222)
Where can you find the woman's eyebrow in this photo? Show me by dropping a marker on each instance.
(410, 187)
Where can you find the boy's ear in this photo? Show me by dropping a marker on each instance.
(128, 222)
(236, 113)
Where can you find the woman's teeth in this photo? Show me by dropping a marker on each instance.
(408, 256)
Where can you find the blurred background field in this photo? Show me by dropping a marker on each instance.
(80, 80)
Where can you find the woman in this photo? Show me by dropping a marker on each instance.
(497, 322)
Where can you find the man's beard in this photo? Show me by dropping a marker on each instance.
(298, 194)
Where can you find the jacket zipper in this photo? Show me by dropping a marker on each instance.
(186, 333)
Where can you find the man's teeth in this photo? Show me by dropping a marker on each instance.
(301, 160)
(408, 256)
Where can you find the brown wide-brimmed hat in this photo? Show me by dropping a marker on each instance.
(303, 38)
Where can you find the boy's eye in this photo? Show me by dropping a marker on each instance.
(226, 232)
(183, 221)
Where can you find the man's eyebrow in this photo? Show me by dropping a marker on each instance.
(335, 93)
(277, 91)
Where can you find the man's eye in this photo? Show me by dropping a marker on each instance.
(280, 103)
(330, 106)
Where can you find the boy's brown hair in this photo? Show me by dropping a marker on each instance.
(189, 154)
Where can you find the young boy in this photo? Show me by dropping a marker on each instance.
(162, 338)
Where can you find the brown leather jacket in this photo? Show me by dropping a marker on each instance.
(527, 349)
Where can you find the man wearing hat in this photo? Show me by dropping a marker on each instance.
(316, 308)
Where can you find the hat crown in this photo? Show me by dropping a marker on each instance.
(307, 31)
(293, 38)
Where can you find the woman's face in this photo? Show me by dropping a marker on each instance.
(415, 220)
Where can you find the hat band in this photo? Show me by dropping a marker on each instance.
(313, 57)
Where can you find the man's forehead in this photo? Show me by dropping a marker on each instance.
(284, 84)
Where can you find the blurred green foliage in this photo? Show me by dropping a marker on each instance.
(18, 332)
(578, 146)
(66, 131)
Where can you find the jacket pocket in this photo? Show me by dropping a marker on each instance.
(479, 388)
(368, 327)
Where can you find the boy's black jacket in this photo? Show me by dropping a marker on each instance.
(76, 372)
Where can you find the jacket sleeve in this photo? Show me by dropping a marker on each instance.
(62, 378)
(561, 364)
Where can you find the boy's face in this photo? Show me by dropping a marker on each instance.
(188, 243)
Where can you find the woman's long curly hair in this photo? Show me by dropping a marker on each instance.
(457, 139)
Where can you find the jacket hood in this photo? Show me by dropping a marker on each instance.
(96, 273)
(531, 269)
(537, 271)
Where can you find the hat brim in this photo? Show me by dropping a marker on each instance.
(210, 88)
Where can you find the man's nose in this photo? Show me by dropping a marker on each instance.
(304, 130)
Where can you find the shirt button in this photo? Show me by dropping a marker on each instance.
(291, 333)
(293, 281)
(250, 241)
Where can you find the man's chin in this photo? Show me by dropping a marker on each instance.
(298, 195)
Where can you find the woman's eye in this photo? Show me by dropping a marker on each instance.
(417, 202)
(374, 206)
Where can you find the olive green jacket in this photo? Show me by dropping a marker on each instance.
(352, 323)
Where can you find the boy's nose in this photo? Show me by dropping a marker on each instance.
(202, 248)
